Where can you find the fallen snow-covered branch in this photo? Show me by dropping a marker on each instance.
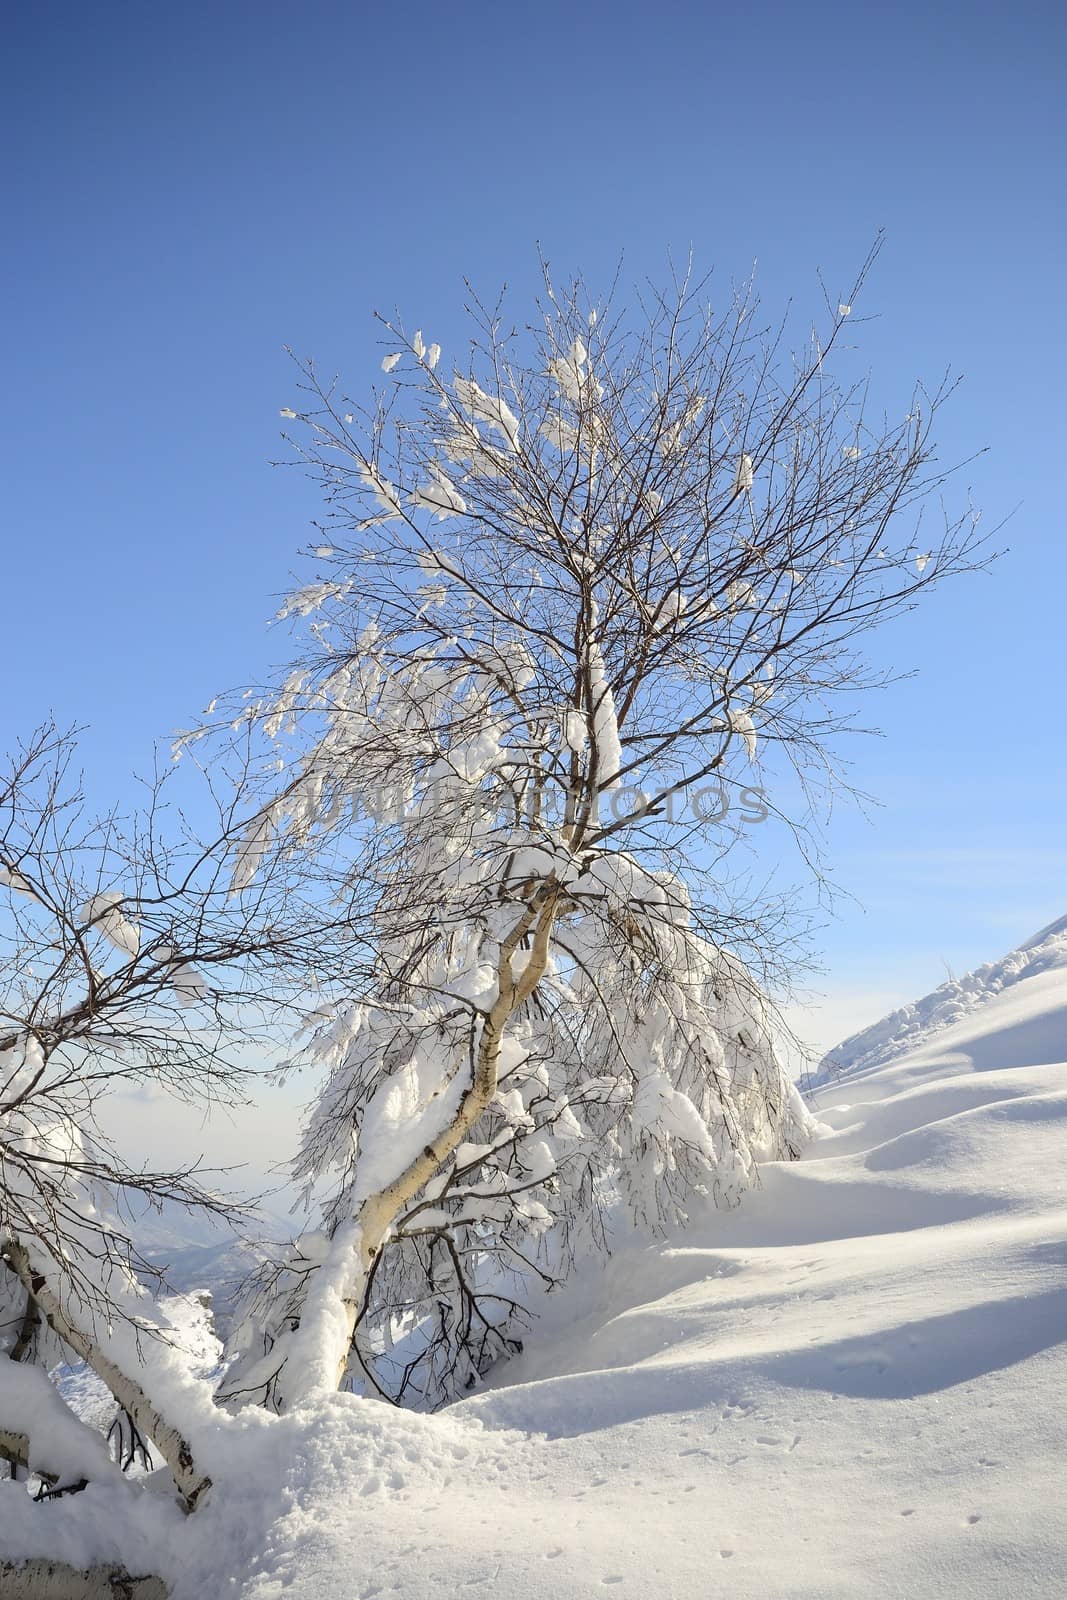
(167, 1438)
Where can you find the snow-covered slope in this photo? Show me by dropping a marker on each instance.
(852, 1386)
(1045, 953)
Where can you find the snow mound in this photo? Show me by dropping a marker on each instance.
(958, 998)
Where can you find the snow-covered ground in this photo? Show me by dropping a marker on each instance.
(852, 1386)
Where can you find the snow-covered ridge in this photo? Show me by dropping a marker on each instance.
(914, 1024)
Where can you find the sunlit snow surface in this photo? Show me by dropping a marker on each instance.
(852, 1386)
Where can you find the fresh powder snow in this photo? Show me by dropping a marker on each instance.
(847, 1387)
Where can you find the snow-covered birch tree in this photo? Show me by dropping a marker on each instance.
(564, 578)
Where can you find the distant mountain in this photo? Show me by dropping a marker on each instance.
(914, 1025)
(218, 1270)
(197, 1254)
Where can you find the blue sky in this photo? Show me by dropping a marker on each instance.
(189, 188)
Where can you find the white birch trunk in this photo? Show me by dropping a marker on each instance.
(367, 1231)
(52, 1580)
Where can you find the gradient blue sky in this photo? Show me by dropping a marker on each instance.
(189, 188)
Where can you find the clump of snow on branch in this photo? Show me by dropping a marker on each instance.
(440, 495)
(494, 411)
(11, 878)
(102, 913)
(606, 743)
